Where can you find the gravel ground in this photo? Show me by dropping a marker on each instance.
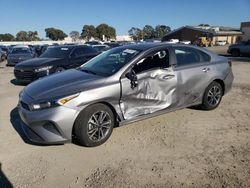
(186, 148)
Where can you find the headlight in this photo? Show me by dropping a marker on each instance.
(43, 105)
(50, 104)
(43, 69)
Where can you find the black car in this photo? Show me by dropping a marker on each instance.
(54, 59)
(112, 44)
(5, 51)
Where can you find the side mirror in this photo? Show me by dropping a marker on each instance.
(133, 78)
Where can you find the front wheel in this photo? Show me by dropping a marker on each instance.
(212, 96)
(94, 125)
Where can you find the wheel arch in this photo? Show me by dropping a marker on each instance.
(117, 117)
(221, 82)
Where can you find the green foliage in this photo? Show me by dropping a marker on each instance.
(33, 36)
(6, 37)
(136, 33)
(204, 25)
(105, 30)
(75, 35)
(27, 36)
(88, 31)
(161, 31)
(55, 34)
(22, 36)
(148, 32)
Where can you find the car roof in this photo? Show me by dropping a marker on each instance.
(21, 47)
(68, 46)
(145, 46)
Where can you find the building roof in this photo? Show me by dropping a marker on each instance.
(245, 24)
(221, 30)
(193, 28)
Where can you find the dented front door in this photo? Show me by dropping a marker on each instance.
(156, 90)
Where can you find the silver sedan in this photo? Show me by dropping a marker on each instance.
(119, 86)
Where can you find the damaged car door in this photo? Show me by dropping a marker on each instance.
(149, 85)
(194, 72)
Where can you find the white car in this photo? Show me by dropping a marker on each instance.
(221, 43)
(185, 42)
(172, 41)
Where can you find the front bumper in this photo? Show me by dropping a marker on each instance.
(48, 126)
(28, 75)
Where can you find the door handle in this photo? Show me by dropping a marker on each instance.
(169, 76)
(206, 69)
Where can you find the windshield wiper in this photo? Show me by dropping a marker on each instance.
(88, 71)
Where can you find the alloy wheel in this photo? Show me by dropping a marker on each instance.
(99, 125)
(214, 95)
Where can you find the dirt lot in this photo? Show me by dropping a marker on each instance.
(186, 148)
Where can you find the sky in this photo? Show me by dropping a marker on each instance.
(69, 15)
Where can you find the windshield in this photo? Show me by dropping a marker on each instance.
(20, 50)
(109, 62)
(55, 52)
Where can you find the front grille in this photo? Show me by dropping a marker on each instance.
(24, 74)
(24, 105)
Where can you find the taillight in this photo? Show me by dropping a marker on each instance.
(230, 63)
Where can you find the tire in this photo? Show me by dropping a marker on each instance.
(2, 58)
(212, 96)
(59, 69)
(235, 53)
(89, 128)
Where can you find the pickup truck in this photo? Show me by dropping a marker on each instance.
(239, 49)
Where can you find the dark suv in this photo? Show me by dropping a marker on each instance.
(54, 59)
(239, 49)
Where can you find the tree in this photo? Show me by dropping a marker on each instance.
(6, 37)
(32, 35)
(204, 25)
(136, 33)
(161, 31)
(75, 35)
(105, 30)
(148, 31)
(88, 32)
(22, 36)
(55, 34)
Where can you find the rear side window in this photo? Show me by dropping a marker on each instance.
(187, 56)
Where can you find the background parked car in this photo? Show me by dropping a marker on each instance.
(185, 42)
(112, 44)
(54, 59)
(2, 55)
(18, 54)
(239, 49)
(220, 43)
(5, 50)
(93, 42)
(101, 47)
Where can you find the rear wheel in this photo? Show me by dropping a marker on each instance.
(235, 53)
(212, 96)
(94, 125)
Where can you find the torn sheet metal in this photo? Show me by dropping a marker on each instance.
(156, 90)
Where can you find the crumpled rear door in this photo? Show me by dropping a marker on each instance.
(156, 91)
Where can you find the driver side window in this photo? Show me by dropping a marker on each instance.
(156, 60)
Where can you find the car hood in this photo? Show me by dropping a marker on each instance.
(62, 84)
(37, 62)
